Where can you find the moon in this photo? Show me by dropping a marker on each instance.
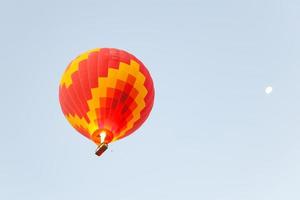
(269, 90)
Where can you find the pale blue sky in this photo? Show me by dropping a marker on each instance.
(213, 133)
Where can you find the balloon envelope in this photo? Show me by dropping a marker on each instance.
(106, 94)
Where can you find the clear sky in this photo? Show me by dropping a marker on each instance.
(213, 134)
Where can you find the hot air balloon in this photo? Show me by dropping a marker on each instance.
(106, 94)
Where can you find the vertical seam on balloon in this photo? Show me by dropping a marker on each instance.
(114, 77)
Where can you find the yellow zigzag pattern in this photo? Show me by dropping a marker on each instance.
(73, 67)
